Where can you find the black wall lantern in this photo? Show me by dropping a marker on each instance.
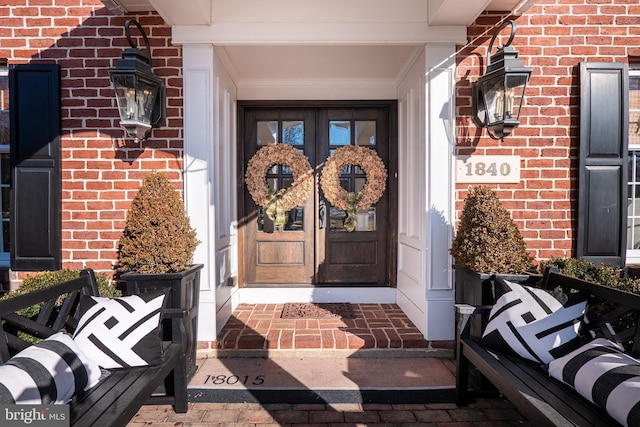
(140, 93)
(498, 94)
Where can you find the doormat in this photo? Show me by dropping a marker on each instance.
(301, 310)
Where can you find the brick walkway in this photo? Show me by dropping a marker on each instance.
(483, 413)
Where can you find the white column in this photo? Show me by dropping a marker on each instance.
(198, 179)
(440, 119)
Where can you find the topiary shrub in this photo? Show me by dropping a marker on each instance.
(487, 240)
(158, 237)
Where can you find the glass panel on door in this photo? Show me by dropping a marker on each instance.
(352, 178)
(279, 176)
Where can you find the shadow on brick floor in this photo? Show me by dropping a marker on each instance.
(483, 413)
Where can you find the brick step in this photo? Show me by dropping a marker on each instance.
(378, 353)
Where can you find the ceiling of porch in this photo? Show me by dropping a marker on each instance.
(306, 40)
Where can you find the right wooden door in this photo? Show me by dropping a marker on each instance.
(359, 256)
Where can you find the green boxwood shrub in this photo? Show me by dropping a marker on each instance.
(603, 274)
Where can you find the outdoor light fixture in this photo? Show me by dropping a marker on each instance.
(140, 93)
(498, 94)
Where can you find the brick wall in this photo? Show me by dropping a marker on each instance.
(101, 171)
(553, 37)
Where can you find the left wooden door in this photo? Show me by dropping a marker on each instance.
(284, 256)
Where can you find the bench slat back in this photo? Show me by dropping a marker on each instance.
(18, 330)
(612, 313)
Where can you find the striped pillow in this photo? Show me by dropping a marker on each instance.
(531, 323)
(50, 371)
(122, 332)
(601, 372)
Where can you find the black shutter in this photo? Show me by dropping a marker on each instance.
(34, 91)
(602, 185)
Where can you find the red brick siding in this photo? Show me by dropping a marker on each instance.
(100, 171)
(553, 37)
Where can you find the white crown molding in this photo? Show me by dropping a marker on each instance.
(334, 33)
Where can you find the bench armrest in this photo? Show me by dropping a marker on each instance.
(173, 313)
(173, 325)
(472, 309)
(463, 315)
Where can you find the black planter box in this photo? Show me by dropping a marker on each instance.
(183, 297)
(475, 288)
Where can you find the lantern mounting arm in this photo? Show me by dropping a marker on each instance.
(133, 45)
(495, 35)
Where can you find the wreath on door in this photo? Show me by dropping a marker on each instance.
(376, 179)
(278, 203)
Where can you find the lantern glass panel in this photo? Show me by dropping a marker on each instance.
(493, 93)
(515, 85)
(135, 98)
(503, 96)
(124, 86)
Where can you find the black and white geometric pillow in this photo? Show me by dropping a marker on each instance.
(606, 376)
(121, 332)
(51, 371)
(531, 323)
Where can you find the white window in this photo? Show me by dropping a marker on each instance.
(633, 207)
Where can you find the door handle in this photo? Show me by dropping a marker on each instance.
(322, 214)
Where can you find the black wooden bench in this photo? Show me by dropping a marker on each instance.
(119, 396)
(543, 400)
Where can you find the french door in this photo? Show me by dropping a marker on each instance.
(314, 246)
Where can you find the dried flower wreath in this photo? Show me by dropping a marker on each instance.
(370, 163)
(279, 154)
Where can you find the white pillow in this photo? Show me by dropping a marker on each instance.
(601, 372)
(531, 323)
(121, 332)
(51, 371)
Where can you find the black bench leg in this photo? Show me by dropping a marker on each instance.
(180, 386)
(462, 379)
(463, 315)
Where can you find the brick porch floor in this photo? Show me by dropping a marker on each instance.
(375, 326)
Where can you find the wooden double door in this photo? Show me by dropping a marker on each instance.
(313, 247)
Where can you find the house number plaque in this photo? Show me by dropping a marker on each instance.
(488, 169)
